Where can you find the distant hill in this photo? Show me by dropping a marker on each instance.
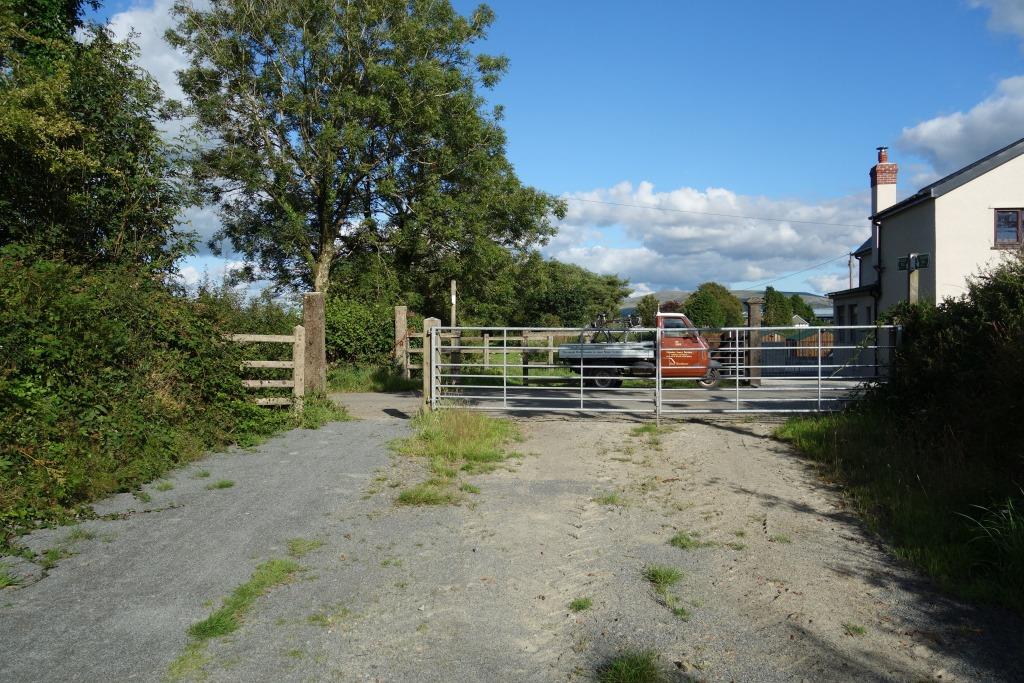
(815, 301)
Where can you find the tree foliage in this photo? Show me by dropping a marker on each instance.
(647, 309)
(704, 310)
(354, 132)
(802, 308)
(87, 177)
(778, 311)
(732, 308)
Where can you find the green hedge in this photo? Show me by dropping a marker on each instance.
(107, 379)
(359, 333)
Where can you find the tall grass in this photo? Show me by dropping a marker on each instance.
(369, 379)
(454, 442)
(931, 505)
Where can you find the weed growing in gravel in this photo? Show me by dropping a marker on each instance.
(300, 547)
(736, 546)
(632, 666)
(6, 578)
(854, 630)
(662, 577)
(580, 604)
(80, 535)
(651, 434)
(164, 486)
(454, 441)
(50, 558)
(190, 663)
(142, 496)
(780, 538)
(202, 474)
(391, 562)
(432, 492)
(739, 533)
(316, 412)
(330, 618)
(227, 619)
(221, 484)
(468, 488)
(611, 498)
(686, 541)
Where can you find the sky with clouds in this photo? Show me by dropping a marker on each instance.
(720, 141)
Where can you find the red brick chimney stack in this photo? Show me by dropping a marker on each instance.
(883, 182)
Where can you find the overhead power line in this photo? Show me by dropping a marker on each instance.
(783, 277)
(709, 213)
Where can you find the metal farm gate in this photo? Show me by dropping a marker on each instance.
(762, 370)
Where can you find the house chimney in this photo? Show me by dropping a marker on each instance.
(883, 182)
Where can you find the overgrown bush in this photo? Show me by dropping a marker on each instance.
(107, 379)
(934, 458)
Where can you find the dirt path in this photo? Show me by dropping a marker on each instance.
(781, 591)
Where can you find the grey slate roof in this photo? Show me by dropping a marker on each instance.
(957, 178)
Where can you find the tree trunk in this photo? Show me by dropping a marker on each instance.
(322, 272)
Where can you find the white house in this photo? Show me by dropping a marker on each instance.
(950, 230)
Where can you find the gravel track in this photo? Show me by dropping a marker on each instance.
(479, 592)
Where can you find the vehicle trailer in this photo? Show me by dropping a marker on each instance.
(684, 354)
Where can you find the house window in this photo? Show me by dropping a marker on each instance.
(1008, 227)
(853, 314)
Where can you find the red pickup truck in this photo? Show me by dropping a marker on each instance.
(684, 354)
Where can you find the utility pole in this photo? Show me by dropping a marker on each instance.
(849, 265)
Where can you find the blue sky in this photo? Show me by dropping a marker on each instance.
(742, 108)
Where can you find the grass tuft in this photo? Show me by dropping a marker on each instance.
(611, 498)
(164, 486)
(6, 578)
(300, 547)
(228, 618)
(202, 474)
(780, 538)
(79, 534)
(428, 493)
(468, 488)
(634, 666)
(854, 630)
(686, 541)
(662, 577)
(580, 604)
(220, 484)
(454, 440)
(318, 411)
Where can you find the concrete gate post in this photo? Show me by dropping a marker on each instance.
(316, 343)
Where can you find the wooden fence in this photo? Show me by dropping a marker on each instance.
(297, 365)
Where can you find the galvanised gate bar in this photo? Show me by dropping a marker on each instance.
(636, 370)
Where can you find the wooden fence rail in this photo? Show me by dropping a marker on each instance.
(297, 365)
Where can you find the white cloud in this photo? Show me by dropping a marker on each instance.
(830, 282)
(145, 24)
(665, 248)
(954, 140)
(215, 270)
(1007, 15)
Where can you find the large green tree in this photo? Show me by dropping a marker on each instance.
(703, 309)
(86, 176)
(347, 130)
(802, 308)
(647, 309)
(732, 308)
(778, 310)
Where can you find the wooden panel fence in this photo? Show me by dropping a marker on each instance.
(297, 365)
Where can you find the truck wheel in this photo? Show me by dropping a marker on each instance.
(603, 379)
(710, 381)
